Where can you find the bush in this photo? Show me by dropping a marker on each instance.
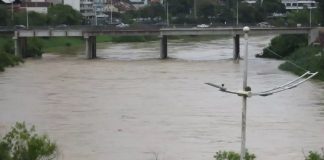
(7, 60)
(284, 45)
(315, 156)
(311, 58)
(229, 155)
(34, 48)
(24, 144)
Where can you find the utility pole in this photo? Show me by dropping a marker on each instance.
(246, 92)
(95, 10)
(111, 7)
(310, 17)
(167, 12)
(12, 17)
(237, 12)
(27, 17)
(245, 89)
(195, 9)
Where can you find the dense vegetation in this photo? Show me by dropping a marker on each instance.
(22, 143)
(295, 50)
(284, 45)
(230, 155)
(208, 11)
(57, 15)
(310, 58)
(7, 59)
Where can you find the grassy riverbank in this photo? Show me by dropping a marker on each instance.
(298, 55)
(310, 58)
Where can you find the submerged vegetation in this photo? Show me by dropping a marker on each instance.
(230, 155)
(22, 143)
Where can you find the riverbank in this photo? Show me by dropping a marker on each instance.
(299, 56)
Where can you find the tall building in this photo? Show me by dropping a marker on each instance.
(299, 4)
(85, 7)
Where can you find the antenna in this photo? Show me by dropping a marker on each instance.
(246, 92)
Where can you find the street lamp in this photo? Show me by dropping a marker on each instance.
(310, 16)
(246, 92)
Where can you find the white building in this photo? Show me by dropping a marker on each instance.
(299, 4)
(75, 4)
(85, 7)
(40, 6)
(139, 3)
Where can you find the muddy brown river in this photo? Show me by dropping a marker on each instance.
(128, 104)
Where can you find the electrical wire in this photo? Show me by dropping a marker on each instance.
(294, 64)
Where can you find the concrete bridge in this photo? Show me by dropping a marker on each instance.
(89, 35)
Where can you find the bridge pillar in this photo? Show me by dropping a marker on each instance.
(91, 47)
(20, 46)
(236, 48)
(164, 47)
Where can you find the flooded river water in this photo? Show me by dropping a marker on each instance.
(130, 105)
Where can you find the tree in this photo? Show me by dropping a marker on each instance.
(321, 9)
(63, 14)
(206, 10)
(24, 144)
(4, 16)
(273, 6)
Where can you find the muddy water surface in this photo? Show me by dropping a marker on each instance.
(130, 105)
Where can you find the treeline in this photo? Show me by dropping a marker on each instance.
(208, 11)
(57, 15)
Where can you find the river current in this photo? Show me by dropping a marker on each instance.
(129, 104)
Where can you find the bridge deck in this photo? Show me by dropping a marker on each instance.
(71, 32)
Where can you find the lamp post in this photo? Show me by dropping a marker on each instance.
(310, 16)
(245, 88)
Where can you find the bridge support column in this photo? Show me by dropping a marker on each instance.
(164, 47)
(91, 47)
(20, 46)
(236, 50)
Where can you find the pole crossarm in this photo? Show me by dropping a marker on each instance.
(223, 89)
(290, 85)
